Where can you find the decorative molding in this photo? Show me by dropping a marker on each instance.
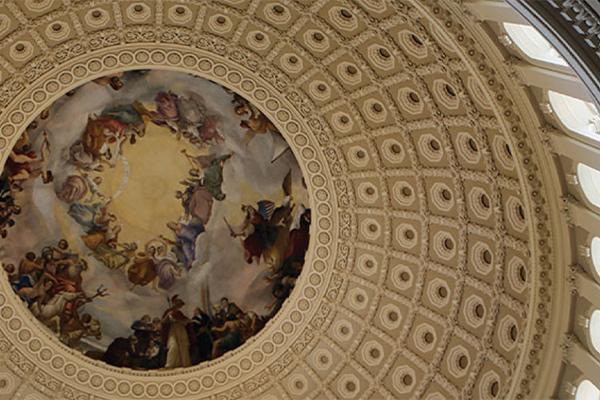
(338, 145)
(573, 27)
(572, 277)
(568, 342)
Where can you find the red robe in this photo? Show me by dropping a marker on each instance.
(298, 244)
(255, 244)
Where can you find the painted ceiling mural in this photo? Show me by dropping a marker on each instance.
(153, 219)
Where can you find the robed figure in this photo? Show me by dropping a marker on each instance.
(174, 329)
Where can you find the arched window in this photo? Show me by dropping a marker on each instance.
(595, 252)
(577, 115)
(589, 179)
(586, 390)
(533, 44)
(594, 330)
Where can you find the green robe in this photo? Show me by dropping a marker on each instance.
(213, 177)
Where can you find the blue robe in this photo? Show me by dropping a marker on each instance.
(185, 242)
(85, 215)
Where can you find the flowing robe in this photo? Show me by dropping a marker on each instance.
(185, 241)
(200, 204)
(178, 343)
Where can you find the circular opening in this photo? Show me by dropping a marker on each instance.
(442, 291)
(345, 13)
(396, 149)
(407, 379)
(393, 316)
(450, 91)
(428, 337)
(448, 244)
(318, 36)
(416, 40)
(180, 10)
(96, 13)
(513, 333)
(521, 212)
(361, 154)
(351, 69)
(507, 150)
(479, 311)
(487, 257)
(20, 47)
(446, 195)
(404, 276)
(435, 145)
(373, 228)
(406, 191)
(409, 234)
(472, 144)
(522, 274)
(384, 53)
(344, 119)
(494, 388)
(221, 20)
(56, 27)
(278, 9)
(377, 107)
(485, 200)
(321, 87)
(370, 191)
(138, 8)
(374, 353)
(259, 36)
(414, 97)
(463, 362)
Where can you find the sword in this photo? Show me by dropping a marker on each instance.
(231, 231)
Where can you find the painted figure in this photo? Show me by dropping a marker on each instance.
(212, 167)
(184, 245)
(114, 81)
(92, 164)
(201, 337)
(186, 115)
(24, 164)
(256, 123)
(174, 322)
(79, 187)
(265, 229)
(154, 266)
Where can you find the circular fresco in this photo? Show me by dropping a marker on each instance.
(153, 219)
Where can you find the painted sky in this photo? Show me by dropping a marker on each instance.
(249, 176)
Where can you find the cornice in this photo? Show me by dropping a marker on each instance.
(573, 27)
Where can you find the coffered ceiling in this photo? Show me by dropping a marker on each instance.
(427, 275)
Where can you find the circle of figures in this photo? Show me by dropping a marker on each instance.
(50, 281)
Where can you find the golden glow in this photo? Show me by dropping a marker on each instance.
(145, 182)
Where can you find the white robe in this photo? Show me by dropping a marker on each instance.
(178, 346)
